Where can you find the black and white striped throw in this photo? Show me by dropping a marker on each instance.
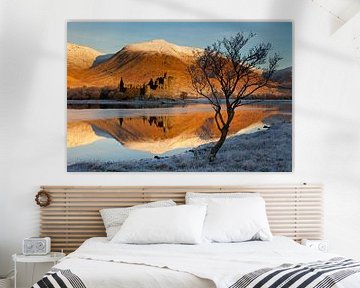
(59, 278)
(320, 274)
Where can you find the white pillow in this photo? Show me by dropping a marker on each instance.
(113, 218)
(204, 198)
(236, 220)
(173, 225)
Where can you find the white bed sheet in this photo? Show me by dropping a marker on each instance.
(100, 263)
(101, 274)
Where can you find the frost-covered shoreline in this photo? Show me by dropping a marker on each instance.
(264, 151)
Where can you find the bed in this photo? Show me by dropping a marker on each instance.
(295, 211)
(99, 263)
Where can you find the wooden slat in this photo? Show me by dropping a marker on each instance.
(73, 216)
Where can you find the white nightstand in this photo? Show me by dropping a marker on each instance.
(53, 257)
(320, 245)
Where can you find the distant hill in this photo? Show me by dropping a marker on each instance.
(138, 63)
(79, 59)
(283, 75)
(101, 58)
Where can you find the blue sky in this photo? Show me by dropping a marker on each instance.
(110, 37)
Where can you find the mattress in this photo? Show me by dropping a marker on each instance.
(99, 263)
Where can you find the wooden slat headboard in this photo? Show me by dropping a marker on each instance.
(73, 215)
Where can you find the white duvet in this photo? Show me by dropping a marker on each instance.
(100, 263)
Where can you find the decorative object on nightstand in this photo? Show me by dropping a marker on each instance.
(52, 257)
(36, 246)
(320, 245)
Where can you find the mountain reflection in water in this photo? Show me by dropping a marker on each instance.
(115, 135)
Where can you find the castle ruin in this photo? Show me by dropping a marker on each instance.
(161, 86)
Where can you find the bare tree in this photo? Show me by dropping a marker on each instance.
(225, 75)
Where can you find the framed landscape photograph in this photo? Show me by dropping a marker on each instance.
(179, 96)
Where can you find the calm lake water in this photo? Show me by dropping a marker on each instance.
(103, 135)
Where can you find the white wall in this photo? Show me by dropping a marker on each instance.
(33, 105)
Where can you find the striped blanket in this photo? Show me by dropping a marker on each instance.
(59, 278)
(320, 274)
